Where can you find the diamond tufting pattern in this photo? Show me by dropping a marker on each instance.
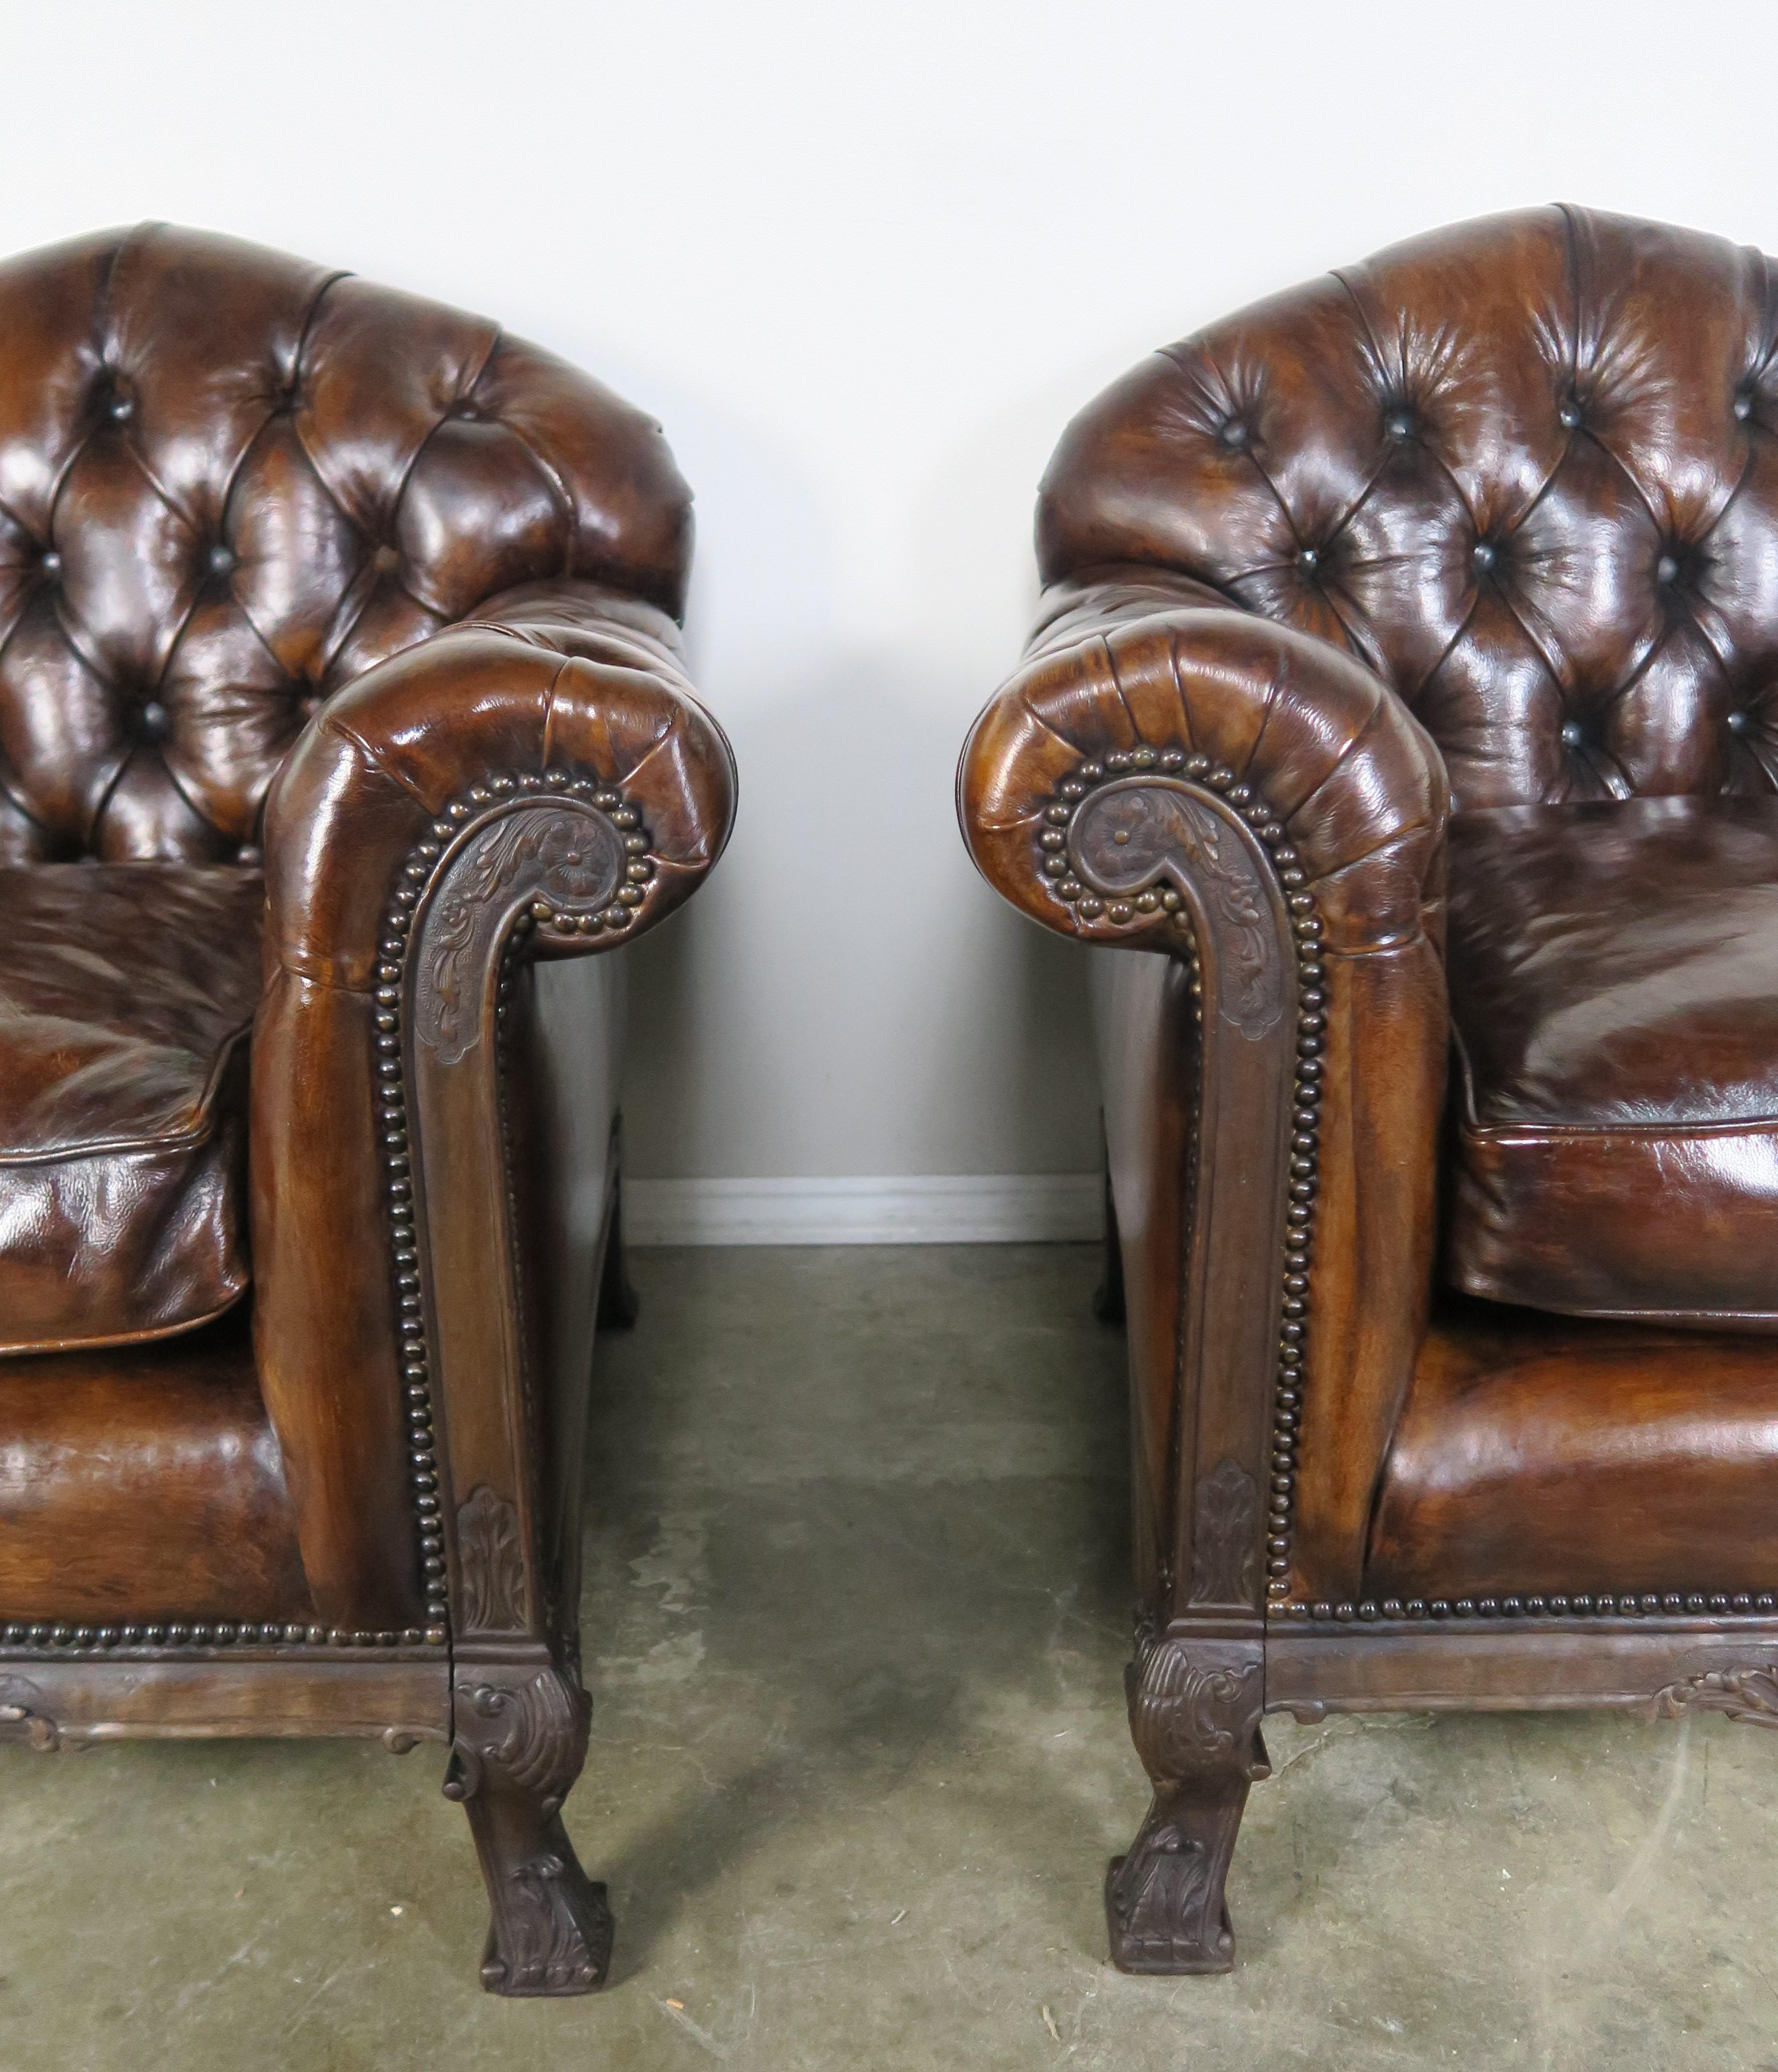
(1525, 469)
(230, 483)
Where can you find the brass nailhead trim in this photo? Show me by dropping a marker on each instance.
(1629, 1604)
(66, 1637)
(1301, 1187)
(1302, 1181)
(423, 864)
(60, 1637)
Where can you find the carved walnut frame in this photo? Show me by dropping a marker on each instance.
(1162, 849)
(520, 866)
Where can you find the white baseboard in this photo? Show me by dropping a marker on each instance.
(992, 1208)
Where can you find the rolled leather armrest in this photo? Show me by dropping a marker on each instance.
(1131, 664)
(1138, 673)
(565, 697)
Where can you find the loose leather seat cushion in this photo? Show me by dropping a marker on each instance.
(1614, 997)
(146, 1486)
(1552, 1455)
(126, 992)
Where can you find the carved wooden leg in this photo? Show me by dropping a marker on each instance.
(521, 1729)
(1194, 1715)
(619, 1304)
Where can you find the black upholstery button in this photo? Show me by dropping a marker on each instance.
(1743, 406)
(1234, 432)
(53, 563)
(1309, 561)
(222, 558)
(1399, 423)
(1482, 554)
(152, 720)
(1569, 415)
(122, 409)
(1738, 722)
(1665, 570)
(1571, 734)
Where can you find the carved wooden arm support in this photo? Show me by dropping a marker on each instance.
(546, 785)
(1166, 774)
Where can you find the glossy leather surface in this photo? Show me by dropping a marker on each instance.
(1521, 468)
(144, 1484)
(1539, 1454)
(1614, 996)
(568, 676)
(230, 483)
(258, 517)
(126, 994)
(1133, 659)
(1504, 498)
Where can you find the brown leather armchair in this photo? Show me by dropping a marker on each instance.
(1403, 691)
(344, 732)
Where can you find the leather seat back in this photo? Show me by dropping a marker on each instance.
(230, 482)
(1525, 467)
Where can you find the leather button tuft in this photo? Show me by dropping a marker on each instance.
(1234, 432)
(1399, 423)
(385, 559)
(1569, 415)
(152, 720)
(1737, 722)
(1666, 569)
(1571, 734)
(1483, 555)
(1743, 406)
(51, 564)
(222, 559)
(121, 408)
(1309, 561)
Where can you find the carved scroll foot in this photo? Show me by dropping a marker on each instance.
(1163, 1903)
(1194, 1714)
(520, 1741)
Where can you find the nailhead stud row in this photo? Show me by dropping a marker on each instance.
(500, 791)
(1306, 928)
(1629, 1604)
(64, 1637)
(1303, 1180)
(161, 1635)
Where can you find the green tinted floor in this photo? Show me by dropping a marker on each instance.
(856, 1610)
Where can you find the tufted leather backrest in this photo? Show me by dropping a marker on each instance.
(230, 482)
(1526, 468)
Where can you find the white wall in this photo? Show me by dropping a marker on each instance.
(864, 262)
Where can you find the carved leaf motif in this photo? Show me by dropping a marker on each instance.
(1187, 1715)
(1129, 835)
(1156, 1896)
(533, 1732)
(1225, 1534)
(491, 1562)
(545, 1948)
(1749, 1695)
(572, 855)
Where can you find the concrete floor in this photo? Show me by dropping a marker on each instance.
(856, 1610)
